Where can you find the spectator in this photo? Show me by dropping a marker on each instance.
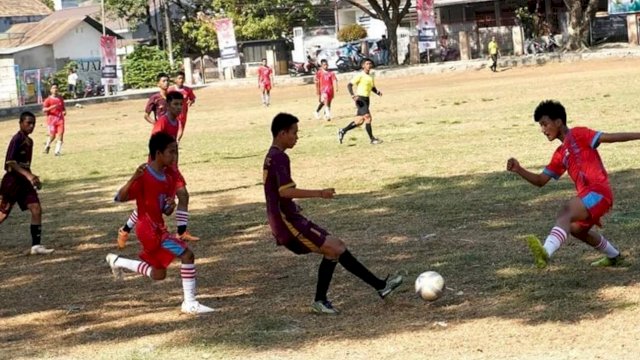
(72, 80)
(383, 45)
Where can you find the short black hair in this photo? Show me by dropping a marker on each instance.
(264, 59)
(161, 75)
(180, 73)
(26, 114)
(282, 121)
(159, 142)
(174, 95)
(551, 108)
(369, 60)
(323, 61)
(53, 84)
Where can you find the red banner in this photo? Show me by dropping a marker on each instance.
(109, 60)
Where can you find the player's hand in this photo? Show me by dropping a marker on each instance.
(327, 193)
(513, 165)
(379, 93)
(139, 171)
(35, 181)
(169, 205)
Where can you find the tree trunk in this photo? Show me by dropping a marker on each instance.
(579, 19)
(392, 33)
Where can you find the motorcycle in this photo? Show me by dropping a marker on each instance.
(306, 68)
(346, 64)
(92, 89)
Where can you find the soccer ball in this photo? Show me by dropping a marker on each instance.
(429, 285)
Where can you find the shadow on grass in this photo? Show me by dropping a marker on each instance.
(468, 228)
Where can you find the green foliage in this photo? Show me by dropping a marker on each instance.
(60, 78)
(134, 11)
(142, 66)
(352, 32)
(48, 3)
(201, 34)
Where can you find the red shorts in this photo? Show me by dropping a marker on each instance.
(159, 248)
(326, 96)
(306, 239)
(265, 86)
(16, 189)
(56, 128)
(175, 174)
(598, 205)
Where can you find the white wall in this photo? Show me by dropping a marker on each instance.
(375, 28)
(8, 90)
(36, 58)
(81, 42)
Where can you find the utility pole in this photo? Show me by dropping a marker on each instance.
(103, 19)
(167, 25)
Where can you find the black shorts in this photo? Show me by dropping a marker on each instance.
(306, 240)
(363, 105)
(16, 189)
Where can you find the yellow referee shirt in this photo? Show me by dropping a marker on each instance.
(364, 83)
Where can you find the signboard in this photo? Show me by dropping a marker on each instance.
(427, 34)
(623, 6)
(229, 56)
(109, 60)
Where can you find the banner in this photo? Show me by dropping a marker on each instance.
(427, 33)
(623, 6)
(109, 60)
(227, 43)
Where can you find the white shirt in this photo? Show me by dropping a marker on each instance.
(72, 79)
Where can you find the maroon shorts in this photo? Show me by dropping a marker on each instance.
(307, 239)
(159, 248)
(16, 189)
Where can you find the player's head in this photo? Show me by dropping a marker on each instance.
(284, 129)
(324, 64)
(27, 122)
(264, 61)
(552, 117)
(174, 103)
(163, 80)
(179, 79)
(163, 148)
(53, 90)
(367, 64)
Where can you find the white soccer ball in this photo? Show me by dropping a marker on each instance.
(429, 285)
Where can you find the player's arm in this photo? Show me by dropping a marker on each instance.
(33, 179)
(538, 180)
(617, 137)
(64, 108)
(191, 99)
(147, 117)
(124, 192)
(273, 79)
(376, 91)
(335, 83)
(295, 193)
(180, 131)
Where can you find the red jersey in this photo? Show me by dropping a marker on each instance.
(325, 80)
(189, 97)
(164, 124)
(54, 115)
(578, 156)
(157, 104)
(264, 75)
(151, 191)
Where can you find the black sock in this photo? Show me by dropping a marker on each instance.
(352, 125)
(356, 268)
(369, 130)
(319, 107)
(182, 229)
(325, 273)
(36, 231)
(126, 228)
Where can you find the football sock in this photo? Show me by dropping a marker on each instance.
(605, 247)
(320, 107)
(58, 147)
(188, 274)
(140, 267)
(556, 238)
(36, 231)
(352, 265)
(267, 99)
(325, 273)
(369, 131)
(182, 219)
(131, 222)
(48, 144)
(264, 98)
(327, 112)
(352, 125)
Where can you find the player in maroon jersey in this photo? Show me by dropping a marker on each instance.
(577, 155)
(157, 103)
(326, 86)
(265, 82)
(189, 99)
(19, 184)
(298, 234)
(153, 189)
(53, 107)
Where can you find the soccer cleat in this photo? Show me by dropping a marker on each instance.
(324, 307)
(57, 154)
(340, 135)
(376, 141)
(40, 250)
(609, 262)
(123, 236)
(392, 283)
(115, 270)
(540, 255)
(186, 236)
(46, 149)
(195, 308)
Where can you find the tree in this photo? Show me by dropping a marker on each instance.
(48, 3)
(143, 65)
(580, 13)
(351, 33)
(391, 12)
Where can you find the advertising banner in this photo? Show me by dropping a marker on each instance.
(109, 60)
(623, 6)
(229, 56)
(427, 34)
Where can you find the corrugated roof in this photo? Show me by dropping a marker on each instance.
(441, 3)
(10, 8)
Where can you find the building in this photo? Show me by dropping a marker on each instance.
(21, 11)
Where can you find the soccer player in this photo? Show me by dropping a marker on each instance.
(365, 86)
(53, 107)
(326, 82)
(153, 190)
(298, 234)
(19, 184)
(167, 123)
(157, 103)
(189, 99)
(265, 82)
(577, 155)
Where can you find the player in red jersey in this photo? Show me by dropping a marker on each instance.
(326, 86)
(578, 156)
(19, 184)
(153, 190)
(53, 107)
(298, 234)
(169, 124)
(157, 103)
(265, 82)
(189, 99)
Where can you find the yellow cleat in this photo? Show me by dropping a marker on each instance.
(123, 236)
(609, 262)
(540, 256)
(186, 236)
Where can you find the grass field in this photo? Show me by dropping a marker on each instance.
(434, 196)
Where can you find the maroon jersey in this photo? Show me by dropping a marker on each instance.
(165, 125)
(283, 213)
(189, 98)
(20, 151)
(157, 104)
(151, 191)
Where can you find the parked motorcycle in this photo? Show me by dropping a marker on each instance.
(91, 89)
(346, 64)
(301, 69)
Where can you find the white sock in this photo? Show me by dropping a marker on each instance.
(606, 247)
(264, 98)
(188, 274)
(48, 144)
(327, 112)
(133, 219)
(267, 99)
(140, 267)
(182, 218)
(58, 147)
(556, 238)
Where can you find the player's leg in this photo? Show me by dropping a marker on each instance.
(267, 97)
(264, 95)
(7, 196)
(60, 132)
(367, 125)
(28, 199)
(320, 105)
(328, 98)
(118, 263)
(125, 230)
(5, 208)
(188, 274)
(50, 138)
(182, 215)
(154, 261)
(352, 125)
(591, 237)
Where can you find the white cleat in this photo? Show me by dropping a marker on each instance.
(40, 250)
(195, 308)
(115, 270)
(316, 115)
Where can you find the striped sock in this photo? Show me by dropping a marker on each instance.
(140, 267)
(182, 219)
(188, 274)
(606, 247)
(133, 219)
(556, 238)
